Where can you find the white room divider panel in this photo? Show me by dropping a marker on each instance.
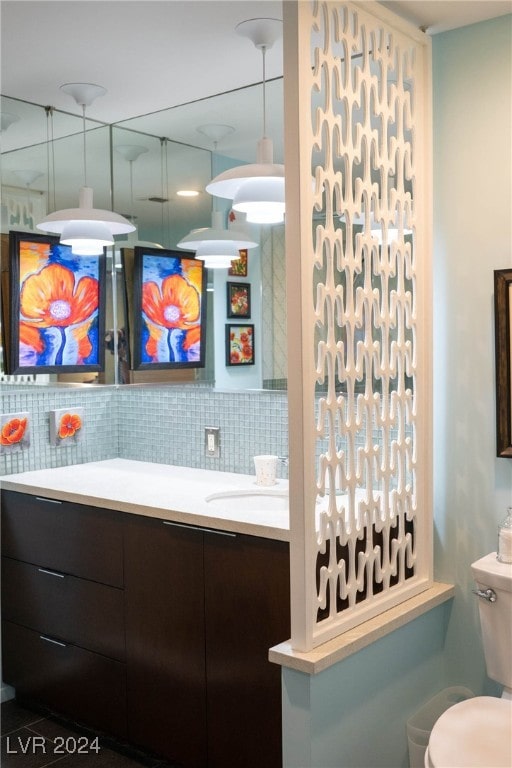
(358, 286)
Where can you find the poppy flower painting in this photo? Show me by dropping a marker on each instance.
(56, 303)
(66, 426)
(239, 344)
(170, 315)
(14, 432)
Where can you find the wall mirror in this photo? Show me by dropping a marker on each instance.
(42, 170)
(503, 347)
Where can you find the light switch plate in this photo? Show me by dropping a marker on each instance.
(212, 442)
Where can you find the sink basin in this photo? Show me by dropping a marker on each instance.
(250, 500)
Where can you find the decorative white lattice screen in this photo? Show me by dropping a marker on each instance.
(360, 522)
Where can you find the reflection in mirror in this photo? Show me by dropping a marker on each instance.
(42, 171)
(146, 189)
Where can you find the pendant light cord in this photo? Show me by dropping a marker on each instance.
(50, 159)
(263, 53)
(167, 207)
(164, 176)
(132, 210)
(85, 145)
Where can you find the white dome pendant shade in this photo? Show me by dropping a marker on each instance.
(377, 227)
(256, 189)
(86, 229)
(215, 246)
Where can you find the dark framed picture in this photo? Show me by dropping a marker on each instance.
(238, 299)
(239, 344)
(170, 310)
(56, 307)
(239, 266)
(503, 351)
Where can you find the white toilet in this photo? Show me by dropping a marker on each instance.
(477, 732)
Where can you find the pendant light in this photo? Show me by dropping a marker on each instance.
(86, 229)
(256, 189)
(392, 230)
(216, 246)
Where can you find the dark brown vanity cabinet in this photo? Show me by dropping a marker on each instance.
(63, 634)
(146, 629)
(202, 609)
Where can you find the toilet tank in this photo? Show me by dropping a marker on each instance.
(496, 618)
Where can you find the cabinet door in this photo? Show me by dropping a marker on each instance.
(165, 639)
(247, 609)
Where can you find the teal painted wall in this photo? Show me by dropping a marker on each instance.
(472, 238)
(354, 714)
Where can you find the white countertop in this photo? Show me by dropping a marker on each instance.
(163, 491)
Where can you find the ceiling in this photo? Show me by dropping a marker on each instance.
(148, 54)
(434, 16)
(153, 55)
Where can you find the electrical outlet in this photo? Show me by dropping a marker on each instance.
(212, 442)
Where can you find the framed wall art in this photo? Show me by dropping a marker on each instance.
(169, 310)
(56, 307)
(14, 432)
(239, 266)
(503, 351)
(238, 299)
(239, 344)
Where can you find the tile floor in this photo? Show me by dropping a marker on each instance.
(36, 740)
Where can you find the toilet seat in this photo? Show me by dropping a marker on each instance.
(476, 733)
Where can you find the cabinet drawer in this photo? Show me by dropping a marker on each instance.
(81, 612)
(85, 686)
(61, 536)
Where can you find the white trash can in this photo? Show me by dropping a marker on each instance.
(419, 726)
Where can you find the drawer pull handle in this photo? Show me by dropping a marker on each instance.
(219, 533)
(51, 573)
(50, 501)
(51, 640)
(198, 528)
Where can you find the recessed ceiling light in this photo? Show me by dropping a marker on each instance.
(187, 192)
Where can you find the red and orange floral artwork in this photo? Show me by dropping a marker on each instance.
(14, 432)
(172, 295)
(58, 306)
(66, 426)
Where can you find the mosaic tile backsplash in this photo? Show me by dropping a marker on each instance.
(164, 425)
(100, 440)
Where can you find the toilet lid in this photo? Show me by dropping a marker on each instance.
(476, 733)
